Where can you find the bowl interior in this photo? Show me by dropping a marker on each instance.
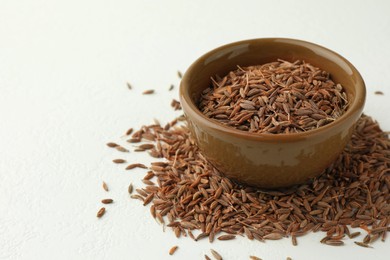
(259, 51)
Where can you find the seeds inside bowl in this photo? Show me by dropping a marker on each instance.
(276, 97)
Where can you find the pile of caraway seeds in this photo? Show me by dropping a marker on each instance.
(188, 195)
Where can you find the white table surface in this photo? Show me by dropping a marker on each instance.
(63, 69)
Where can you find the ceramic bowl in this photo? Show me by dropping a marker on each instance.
(270, 160)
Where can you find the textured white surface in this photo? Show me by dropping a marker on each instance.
(63, 68)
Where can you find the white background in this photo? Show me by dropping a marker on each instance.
(63, 69)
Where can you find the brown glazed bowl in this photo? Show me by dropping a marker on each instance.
(270, 160)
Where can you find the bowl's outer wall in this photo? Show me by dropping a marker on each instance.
(270, 161)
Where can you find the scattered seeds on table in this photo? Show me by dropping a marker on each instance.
(119, 161)
(284, 97)
(101, 212)
(148, 92)
(173, 250)
(105, 187)
(193, 194)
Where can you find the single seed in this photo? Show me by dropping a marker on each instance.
(128, 132)
(119, 161)
(134, 140)
(200, 236)
(101, 212)
(252, 257)
(294, 240)
(248, 233)
(121, 149)
(148, 199)
(211, 236)
(226, 237)
(159, 217)
(324, 239)
(379, 93)
(171, 87)
(112, 145)
(141, 192)
(146, 146)
(105, 187)
(153, 211)
(130, 188)
(273, 236)
(136, 196)
(354, 234)
(216, 255)
(129, 85)
(177, 232)
(147, 182)
(179, 74)
(362, 244)
(367, 239)
(173, 250)
(136, 165)
(148, 92)
(107, 201)
(334, 242)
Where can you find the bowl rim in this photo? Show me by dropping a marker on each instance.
(355, 107)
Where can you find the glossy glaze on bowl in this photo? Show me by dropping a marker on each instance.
(270, 160)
